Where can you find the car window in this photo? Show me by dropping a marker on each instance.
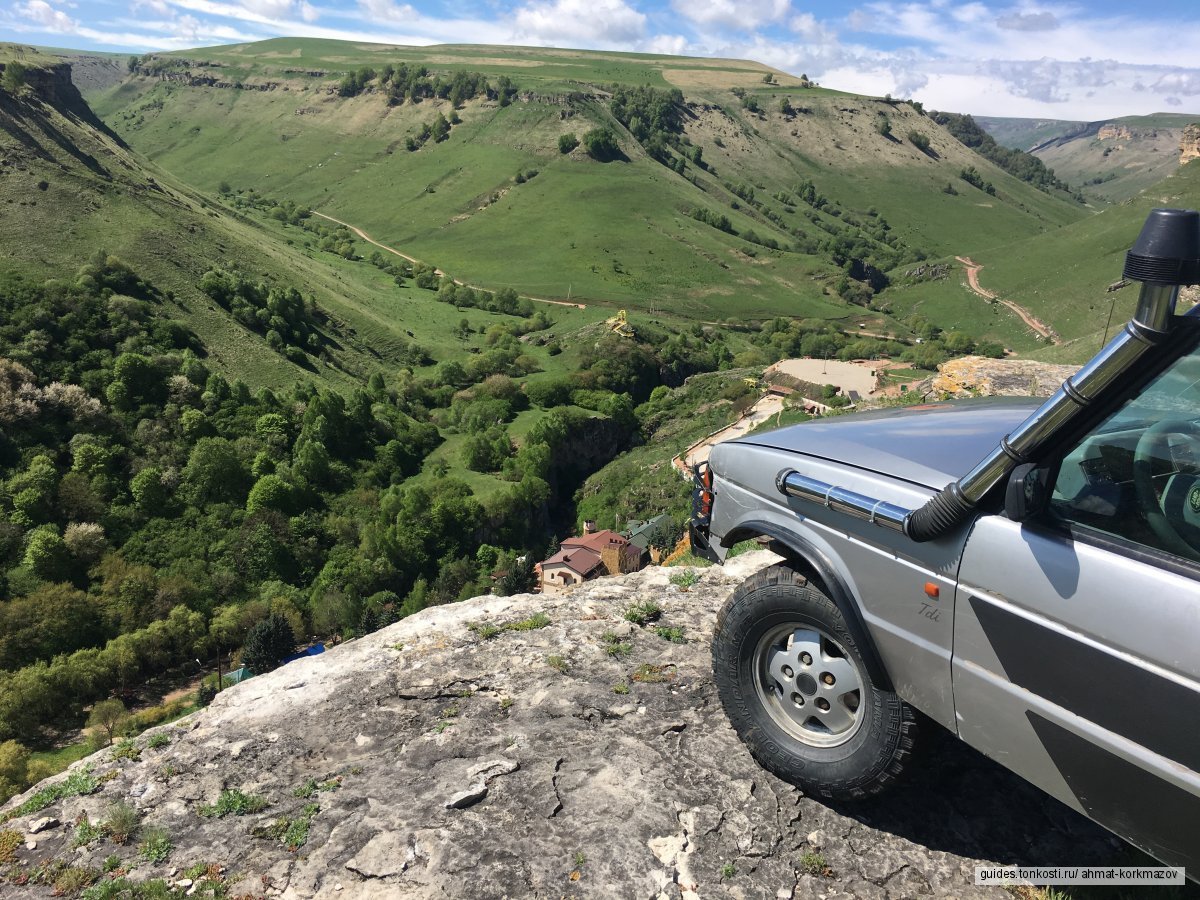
(1137, 475)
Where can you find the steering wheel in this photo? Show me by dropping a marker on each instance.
(1152, 446)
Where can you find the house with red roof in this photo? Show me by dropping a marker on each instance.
(593, 554)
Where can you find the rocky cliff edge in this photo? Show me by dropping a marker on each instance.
(588, 757)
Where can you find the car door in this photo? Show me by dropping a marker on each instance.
(1076, 656)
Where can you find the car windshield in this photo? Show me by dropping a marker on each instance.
(1173, 394)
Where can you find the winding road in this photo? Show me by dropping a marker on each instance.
(412, 259)
(973, 268)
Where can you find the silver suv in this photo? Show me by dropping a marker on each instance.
(1023, 575)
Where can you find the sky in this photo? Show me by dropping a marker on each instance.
(1083, 61)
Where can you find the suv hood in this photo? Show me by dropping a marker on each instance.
(931, 445)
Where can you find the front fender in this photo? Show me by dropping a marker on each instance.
(817, 565)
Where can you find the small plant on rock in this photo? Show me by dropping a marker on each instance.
(558, 663)
(158, 740)
(122, 823)
(648, 673)
(9, 842)
(812, 863)
(728, 871)
(85, 832)
(233, 803)
(644, 612)
(72, 879)
(621, 688)
(686, 579)
(485, 631)
(127, 749)
(156, 845)
(672, 633)
(614, 646)
(537, 620)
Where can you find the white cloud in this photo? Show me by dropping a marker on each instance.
(387, 10)
(43, 14)
(588, 23)
(272, 9)
(742, 15)
(668, 44)
(1043, 21)
(157, 6)
(807, 26)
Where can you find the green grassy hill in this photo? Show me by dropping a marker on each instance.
(621, 233)
(1110, 160)
(1064, 278)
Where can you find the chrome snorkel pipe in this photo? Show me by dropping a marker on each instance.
(1165, 257)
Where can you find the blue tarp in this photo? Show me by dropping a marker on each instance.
(307, 651)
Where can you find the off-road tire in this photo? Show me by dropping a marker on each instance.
(868, 761)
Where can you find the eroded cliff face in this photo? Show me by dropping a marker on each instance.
(586, 758)
(1189, 144)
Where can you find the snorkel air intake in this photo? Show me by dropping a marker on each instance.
(1165, 257)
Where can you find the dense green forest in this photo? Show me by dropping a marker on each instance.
(151, 511)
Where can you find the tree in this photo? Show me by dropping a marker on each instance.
(108, 715)
(214, 472)
(270, 492)
(601, 145)
(267, 644)
(883, 125)
(567, 142)
(47, 554)
(919, 140)
(14, 77)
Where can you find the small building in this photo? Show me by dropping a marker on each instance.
(641, 534)
(568, 567)
(592, 554)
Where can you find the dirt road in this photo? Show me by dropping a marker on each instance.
(973, 279)
(766, 407)
(412, 259)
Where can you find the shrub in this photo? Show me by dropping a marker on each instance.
(567, 143)
(601, 144)
(919, 140)
(14, 77)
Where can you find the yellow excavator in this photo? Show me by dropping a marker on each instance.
(619, 324)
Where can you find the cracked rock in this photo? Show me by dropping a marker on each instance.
(389, 780)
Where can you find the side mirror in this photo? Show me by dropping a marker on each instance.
(1027, 493)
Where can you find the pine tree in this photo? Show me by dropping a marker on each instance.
(267, 644)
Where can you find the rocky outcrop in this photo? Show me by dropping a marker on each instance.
(439, 758)
(979, 376)
(1189, 144)
(1111, 132)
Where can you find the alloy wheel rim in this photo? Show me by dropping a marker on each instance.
(809, 685)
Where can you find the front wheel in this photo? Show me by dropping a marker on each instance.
(796, 690)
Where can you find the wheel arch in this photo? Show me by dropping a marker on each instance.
(814, 564)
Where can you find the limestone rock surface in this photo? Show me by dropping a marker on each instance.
(430, 762)
(980, 376)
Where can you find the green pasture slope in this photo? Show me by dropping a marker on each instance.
(1063, 278)
(68, 189)
(614, 234)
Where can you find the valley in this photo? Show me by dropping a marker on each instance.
(307, 335)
